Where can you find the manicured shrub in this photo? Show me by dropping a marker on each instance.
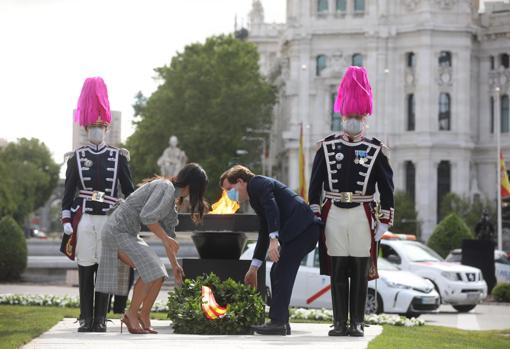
(449, 234)
(13, 250)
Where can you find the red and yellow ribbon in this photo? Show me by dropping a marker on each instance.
(210, 307)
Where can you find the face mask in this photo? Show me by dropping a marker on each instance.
(233, 194)
(352, 126)
(96, 135)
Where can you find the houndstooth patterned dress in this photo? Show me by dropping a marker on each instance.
(154, 202)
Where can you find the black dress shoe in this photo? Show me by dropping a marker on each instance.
(85, 325)
(356, 329)
(287, 328)
(339, 329)
(99, 325)
(272, 328)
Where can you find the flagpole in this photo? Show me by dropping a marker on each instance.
(497, 129)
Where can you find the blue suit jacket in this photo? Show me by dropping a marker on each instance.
(279, 210)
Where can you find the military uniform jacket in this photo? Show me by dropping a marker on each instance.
(345, 167)
(93, 176)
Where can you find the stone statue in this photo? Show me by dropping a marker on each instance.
(173, 159)
(484, 229)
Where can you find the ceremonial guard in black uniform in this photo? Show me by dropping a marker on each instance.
(347, 168)
(94, 173)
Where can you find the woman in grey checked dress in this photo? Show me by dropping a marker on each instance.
(153, 204)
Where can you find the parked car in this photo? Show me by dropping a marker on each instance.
(501, 262)
(461, 286)
(397, 291)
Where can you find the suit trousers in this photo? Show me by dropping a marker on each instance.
(283, 273)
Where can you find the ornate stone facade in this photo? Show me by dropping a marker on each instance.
(457, 60)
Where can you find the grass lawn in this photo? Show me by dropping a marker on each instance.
(20, 324)
(426, 337)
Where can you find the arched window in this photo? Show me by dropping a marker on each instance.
(336, 119)
(322, 6)
(320, 64)
(492, 114)
(443, 184)
(504, 60)
(357, 59)
(341, 5)
(410, 60)
(505, 108)
(445, 59)
(410, 179)
(359, 5)
(411, 112)
(444, 112)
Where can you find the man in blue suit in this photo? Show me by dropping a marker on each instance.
(289, 230)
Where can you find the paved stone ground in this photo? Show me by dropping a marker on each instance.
(64, 335)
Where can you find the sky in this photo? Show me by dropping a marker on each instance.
(49, 47)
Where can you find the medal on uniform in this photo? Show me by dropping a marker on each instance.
(361, 156)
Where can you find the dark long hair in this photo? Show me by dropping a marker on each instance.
(194, 176)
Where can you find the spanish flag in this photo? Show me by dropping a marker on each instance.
(302, 180)
(505, 183)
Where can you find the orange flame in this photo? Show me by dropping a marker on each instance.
(210, 307)
(224, 205)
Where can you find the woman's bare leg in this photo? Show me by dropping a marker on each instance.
(149, 300)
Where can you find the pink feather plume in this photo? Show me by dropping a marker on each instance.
(354, 93)
(93, 105)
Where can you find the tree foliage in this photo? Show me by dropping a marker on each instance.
(406, 217)
(470, 211)
(449, 234)
(209, 95)
(28, 176)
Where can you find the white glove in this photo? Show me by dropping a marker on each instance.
(381, 229)
(68, 228)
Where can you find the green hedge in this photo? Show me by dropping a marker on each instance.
(501, 292)
(245, 307)
(449, 234)
(13, 250)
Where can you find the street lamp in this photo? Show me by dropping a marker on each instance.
(263, 155)
(269, 149)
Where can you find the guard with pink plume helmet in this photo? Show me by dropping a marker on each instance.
(96, 176)
(347, 171)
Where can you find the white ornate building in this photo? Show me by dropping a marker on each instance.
(433, 65)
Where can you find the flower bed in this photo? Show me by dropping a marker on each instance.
(371, 319)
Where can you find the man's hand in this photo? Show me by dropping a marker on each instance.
(68, 228)
(380, 230)
(251, 277)
(274, 250)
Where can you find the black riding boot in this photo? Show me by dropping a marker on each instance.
(358, 293)
(340, 295)
(100, 310)
(86, 285)
(120, 302)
